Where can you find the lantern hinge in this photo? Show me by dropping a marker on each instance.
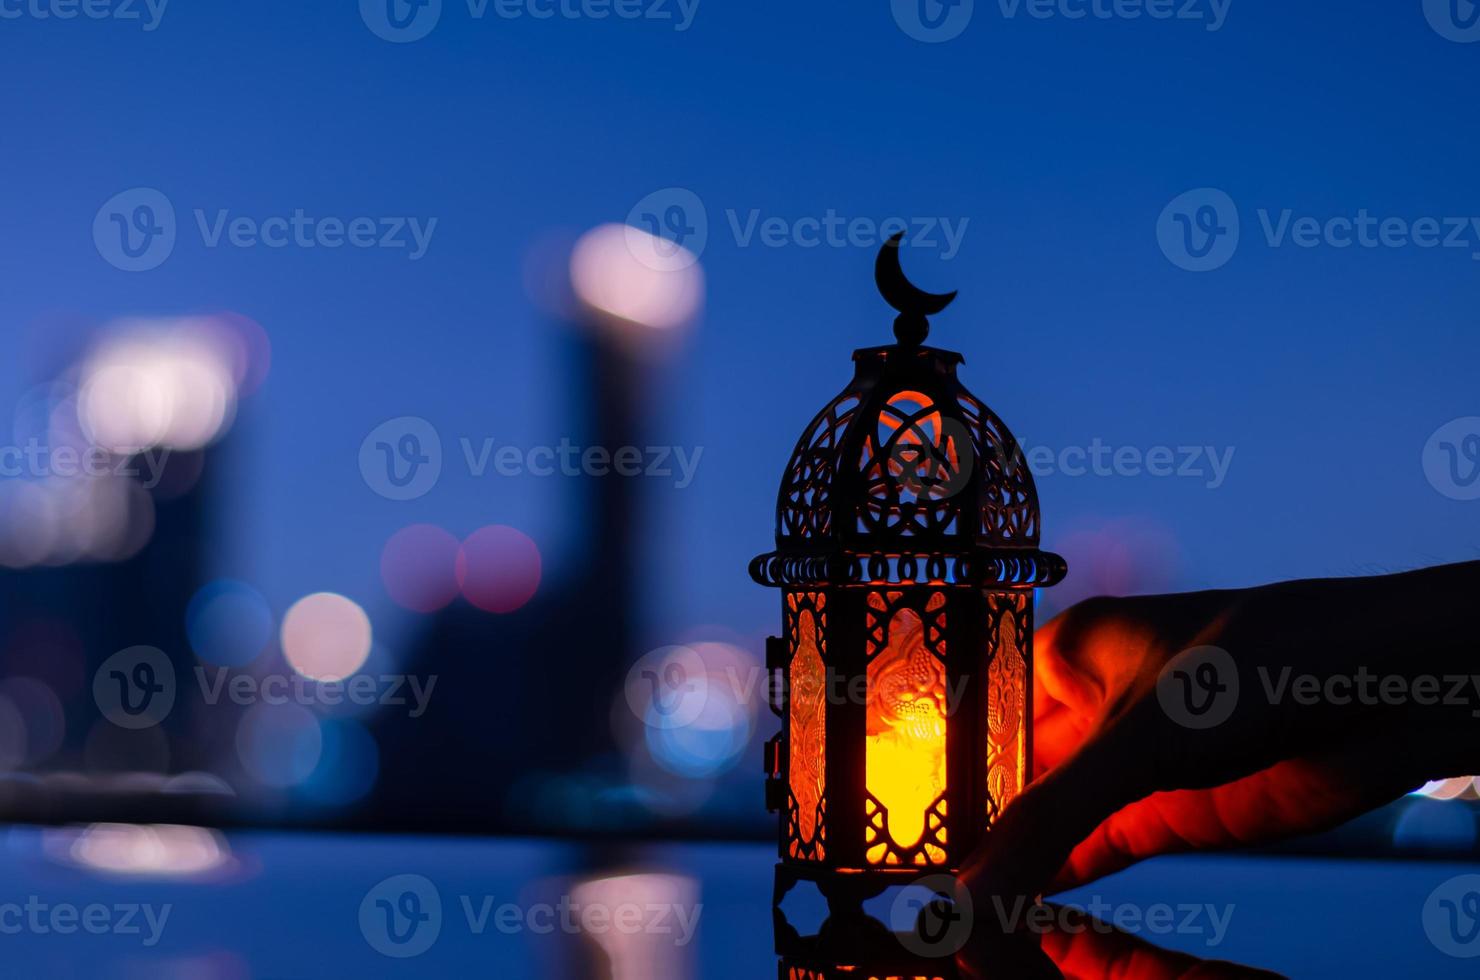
(773, 756)
(775, 795)
(775, 653)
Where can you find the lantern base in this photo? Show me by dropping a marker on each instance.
(853, 943)
(851, 933)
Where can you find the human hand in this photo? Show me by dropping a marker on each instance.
(1125, 777)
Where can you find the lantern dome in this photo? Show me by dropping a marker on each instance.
(906, 475)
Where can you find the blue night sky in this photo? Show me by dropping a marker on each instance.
(1056, 143)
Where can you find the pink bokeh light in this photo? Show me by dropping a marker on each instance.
(419, 566)
(498, 568)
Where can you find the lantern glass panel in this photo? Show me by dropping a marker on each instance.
(808, 726)
(1007, 701)
(905, 745)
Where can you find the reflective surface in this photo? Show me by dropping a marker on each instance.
(273, 905)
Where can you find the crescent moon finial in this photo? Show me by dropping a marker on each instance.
(914, 304)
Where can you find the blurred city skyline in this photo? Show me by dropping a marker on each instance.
(1277, 415)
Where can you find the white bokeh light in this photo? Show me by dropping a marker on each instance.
(326, 637)
(169, 383)
(615, 270)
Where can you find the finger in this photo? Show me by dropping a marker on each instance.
(1296, 796)
(1057, 734)
(1033, 837)
(1141, 751)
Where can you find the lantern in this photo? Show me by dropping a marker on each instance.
(907, 557)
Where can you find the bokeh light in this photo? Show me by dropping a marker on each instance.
(167, 383)
(29, 524)
(635, 277)
(1114, 556)
(279, 745)
(419, 567)
(640, 954)
(717, 737)
(325, 636)
(246, 347)
(228, 622)
(349, 763)
(1447, 789)
(498, 568)
(41, 715)
(157, 851)
(1426, 825)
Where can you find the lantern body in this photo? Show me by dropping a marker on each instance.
(907, 555)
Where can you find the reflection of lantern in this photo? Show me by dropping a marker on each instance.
(907, 555)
